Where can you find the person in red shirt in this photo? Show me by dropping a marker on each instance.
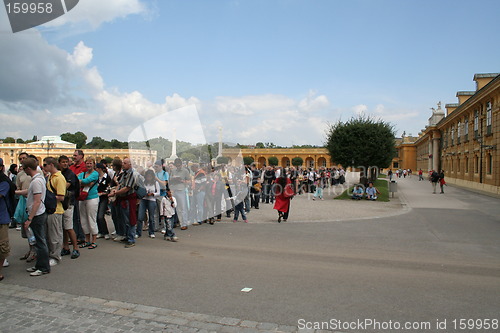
(79, 165)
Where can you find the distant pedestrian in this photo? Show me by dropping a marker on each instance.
(434, 180)
(420, 175)
(442, 183)
(283, 193)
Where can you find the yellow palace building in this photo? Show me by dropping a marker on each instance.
(312, 157)
(464, 141)
(55, 147)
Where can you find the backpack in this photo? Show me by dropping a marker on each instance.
(10, 199)
(140, 188)
(50, 202)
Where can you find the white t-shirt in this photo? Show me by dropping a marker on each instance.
(37, 186)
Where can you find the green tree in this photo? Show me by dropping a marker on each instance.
(361, 142)
(79, 138)
(273, 160)
(188, 157)
(19, 140)
(9, 139)
(259, 145)
(98, 143)
(247, 160)
(222, 160)
(297, 161)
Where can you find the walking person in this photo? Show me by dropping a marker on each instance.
(442, 182)
(420, 175)
(434, 180)
(283, 194)
(242, 192)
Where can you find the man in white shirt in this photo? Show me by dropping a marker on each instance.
(37, 217)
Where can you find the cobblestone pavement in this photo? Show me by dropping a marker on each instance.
(27, 309)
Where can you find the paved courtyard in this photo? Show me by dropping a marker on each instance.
(420, 257)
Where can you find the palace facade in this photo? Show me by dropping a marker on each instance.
(464, 141)
(55, 147)
(311, 157)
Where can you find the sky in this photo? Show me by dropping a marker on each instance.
(256, 70)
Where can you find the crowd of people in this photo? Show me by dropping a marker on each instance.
(155, 199)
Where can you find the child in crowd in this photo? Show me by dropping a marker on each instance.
(167, 210)
(239, 200)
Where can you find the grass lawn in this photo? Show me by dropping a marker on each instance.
(380, 184)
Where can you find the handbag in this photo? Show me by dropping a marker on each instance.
(84, 194)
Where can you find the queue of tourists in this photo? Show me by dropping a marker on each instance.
(60, 205)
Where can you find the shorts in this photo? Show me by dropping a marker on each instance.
(68, 218)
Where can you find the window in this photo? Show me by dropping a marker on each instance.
(489, 163)
(452, 134)
(459, 132)
(488, 118)
(476, 124)
(466, 129)
(466, 161)
(476, 164)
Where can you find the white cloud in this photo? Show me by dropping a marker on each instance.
(96, 12)
(359, 109)
(313, 102)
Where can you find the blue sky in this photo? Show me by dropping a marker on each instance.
(270, 71)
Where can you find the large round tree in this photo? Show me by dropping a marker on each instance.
(361, 142)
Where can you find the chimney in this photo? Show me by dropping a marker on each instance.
(450, 108)
(464, 95)
(484, 79)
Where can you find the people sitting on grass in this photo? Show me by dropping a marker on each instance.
(357, 193)
(371, 192)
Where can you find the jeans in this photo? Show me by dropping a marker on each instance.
(239, 209)
(101, 212)
(150, 206)
(77, 225)
(125, 211)
(268, 194)
(198, 206)
(169, 226)
(319, 192)
(38, 225)
(117, 220)
(182, 207)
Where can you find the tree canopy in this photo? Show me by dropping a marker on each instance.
(273, 160)
(79, 138)
(248, 160)
(297, 161)
(361, 141)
